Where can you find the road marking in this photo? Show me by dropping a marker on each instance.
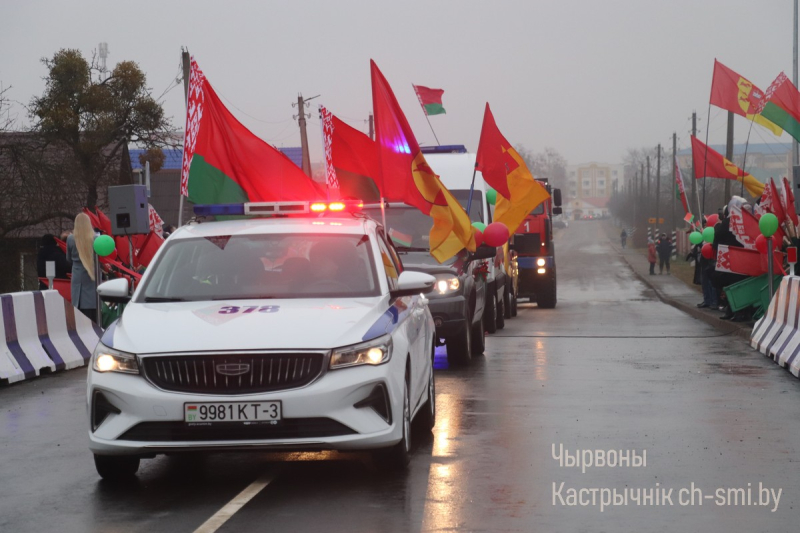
(223, 515)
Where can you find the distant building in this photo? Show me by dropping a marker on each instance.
(589, 187)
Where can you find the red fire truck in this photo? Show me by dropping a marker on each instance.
(535, 250)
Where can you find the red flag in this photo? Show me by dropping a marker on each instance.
(430, 99)
(149, 247)
(505, 170)
(744, 261)
(406, 176)
(351, 160)
(709, 163)
(744, 226)
(681, 189)
(223, 162)
(737, 94)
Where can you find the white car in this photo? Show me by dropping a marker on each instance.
(294, 333)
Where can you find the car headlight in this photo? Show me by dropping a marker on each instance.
(541, 262)
(105, 359)
(447, 284)
(374, 352)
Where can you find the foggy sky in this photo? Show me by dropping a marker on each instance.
(589, 78)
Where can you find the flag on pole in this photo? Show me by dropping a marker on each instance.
(406, 176)
(223, 162)
(744, 226)
(518, 193)
(351, 160)
(788, 196)
(746, 262)
(716, 166)
(430, 100)
(781, 105)
(681, 189)
(737, 94)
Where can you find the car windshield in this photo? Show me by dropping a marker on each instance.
(407, 226)
(475, 208)
(538, 210)
(295, 265)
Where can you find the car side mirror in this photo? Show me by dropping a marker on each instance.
(483, 252)
(557, 211)
(556, 198)
(114, 291)
(411, 283)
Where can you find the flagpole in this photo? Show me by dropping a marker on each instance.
(186, 62)
(426, 116)
(472, 189)
(746, 145)
(705, 161)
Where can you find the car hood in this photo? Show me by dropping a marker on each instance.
(244, 325)
(423, 262)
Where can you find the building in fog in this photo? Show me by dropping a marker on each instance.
(589, 188)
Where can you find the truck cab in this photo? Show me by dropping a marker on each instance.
(535, 252)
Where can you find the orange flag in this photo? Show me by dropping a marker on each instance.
(406, 176)
(709, 163)
(518, 193)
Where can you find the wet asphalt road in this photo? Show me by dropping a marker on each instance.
(610, 368)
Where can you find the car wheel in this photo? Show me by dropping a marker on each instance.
(507, 303)
(478, 339)
(116, 468)
(490, 313)
(500, 314)
(459, 347)
(428, 414)
(398, 456)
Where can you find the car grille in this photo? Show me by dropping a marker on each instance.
(527, 243)
(288, 428)
(233, 374)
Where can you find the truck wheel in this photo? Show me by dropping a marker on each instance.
(490, 313)
(478, 339)
(459, 347)
(546, 298)
(514, 301)
(500, 313)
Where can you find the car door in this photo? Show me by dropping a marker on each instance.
(413, 323)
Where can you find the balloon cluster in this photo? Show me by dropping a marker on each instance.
(495, 234)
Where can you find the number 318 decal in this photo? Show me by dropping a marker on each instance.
(233, 309)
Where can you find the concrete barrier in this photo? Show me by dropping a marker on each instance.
(40, 332)
(776, 334)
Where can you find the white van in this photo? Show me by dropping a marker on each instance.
(455, 168)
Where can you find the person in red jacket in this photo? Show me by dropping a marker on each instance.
(651, 255)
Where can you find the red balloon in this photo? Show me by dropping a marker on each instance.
(761, 244)
(478, 237)
(711, 220)
(707, 250)
(496, 234)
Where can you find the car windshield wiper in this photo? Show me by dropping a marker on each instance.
(411, 249)
(163, 299)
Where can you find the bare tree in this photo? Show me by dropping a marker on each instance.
(548, 164)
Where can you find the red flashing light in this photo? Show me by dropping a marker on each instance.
(318, 207)
(336, 206)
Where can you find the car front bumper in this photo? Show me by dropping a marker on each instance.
(449, 313)
(319, 416)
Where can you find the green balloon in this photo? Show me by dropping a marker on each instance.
(479, 225)
(104, 245)
(708, 234)
(695, 237)
(491, 197)
(768, 224)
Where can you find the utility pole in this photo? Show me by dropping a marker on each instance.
(648, 184)
(371, 127)
(658, 185)
(301, 120)
(674, 175)
(186, 64)
(729, 155)
(634, 189)
(694, 181)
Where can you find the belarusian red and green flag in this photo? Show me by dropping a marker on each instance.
(781, 105)
(430, 99)
(223, 162)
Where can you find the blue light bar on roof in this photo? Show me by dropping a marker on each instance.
(218, 210)
(444, 149)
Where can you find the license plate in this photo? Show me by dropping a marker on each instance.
(242, 412)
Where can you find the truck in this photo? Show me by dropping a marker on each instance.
(535, 252)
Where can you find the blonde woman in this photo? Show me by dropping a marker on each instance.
(80, 250)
